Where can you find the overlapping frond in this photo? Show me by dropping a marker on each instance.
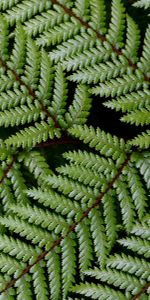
(29, 77)
(142, 3)
(124, 275)
(82, 229)
(74, 218)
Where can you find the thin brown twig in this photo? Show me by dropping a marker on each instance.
(71, 228)
(61, 141)
(143, 290)
(9, 167)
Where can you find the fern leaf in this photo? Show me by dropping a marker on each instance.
(110, 218)
(105, 143)
(100, 72)
(44, 91)
(144, 61)
(26, 9)
(44, 21)
(85, 247)
(8, 3)
(143, 164)
(41, 217)
(20, 115)
(118, 279)
(142, 3)
(17, 59)
(68, 264)
(36, 164)
(141, 230)
(58, 104)
(126, 203)
(120, 86)
(72, 188)
(39, 281)
(138, 245)
(12, 99)
(137, 190)
(142, 140)
(91, 161)
(54, 268)
(61, 33)
(87, 58)
(132, 41)
(98, 15)
(73, 46)
(32, 233)
(83, 175)
(132, 265)
(16, 248)
(117, 24)
(24, 289)
(79, 110)
(33, 65)
(33, 135)
(10, 265)
(18, 183)
(4, 38)
(81, 9)
(130, 102)
(95, 291)
(99, 237)
(49, 198)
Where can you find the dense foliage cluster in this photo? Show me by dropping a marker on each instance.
(73, 225)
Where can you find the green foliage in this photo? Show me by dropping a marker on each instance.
(80, 229)
(142, 3)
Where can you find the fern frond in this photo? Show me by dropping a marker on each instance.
(32, 233)
(68, 264)
(39, 281)
(98, 15)
(95, 291)
(61, 33)
(130, 102)
(33, 135)
(142, 3)
(141, 230)
(144, 61)
(51, 199)
(5, 4)
(26, 9)
(30, 73)
(44, 21)
(132, 41)
(142, 140)
(85, 246)
(124, 275)
(18, 249)
(117, 24)
(99, 236)
(118, 279)
(41, 217)
(54, 271)
(108, 145)
(138, 245)
(81, 229)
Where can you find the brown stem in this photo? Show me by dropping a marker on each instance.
(98, 34)
(143, 290)
(8, 169)
(71, 228)
(54, 142)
